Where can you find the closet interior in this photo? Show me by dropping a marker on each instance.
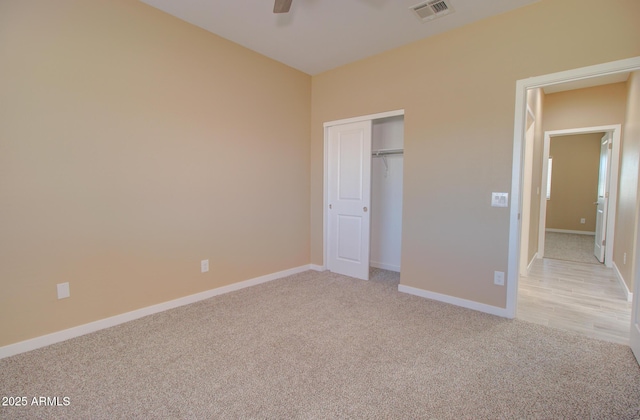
(386, 192)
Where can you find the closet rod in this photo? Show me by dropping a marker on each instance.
(384, 152)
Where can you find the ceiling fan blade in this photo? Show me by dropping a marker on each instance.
(281, 6)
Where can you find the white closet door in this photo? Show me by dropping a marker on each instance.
(349, 183)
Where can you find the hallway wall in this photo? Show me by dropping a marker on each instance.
(628, 194)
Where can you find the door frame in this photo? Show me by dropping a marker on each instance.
(527, 174)
(522, 85)
(615, 130)
(325, 180)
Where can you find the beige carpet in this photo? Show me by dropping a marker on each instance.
(319, 345)
(570, 247)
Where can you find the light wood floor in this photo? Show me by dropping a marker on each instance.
(584, 298)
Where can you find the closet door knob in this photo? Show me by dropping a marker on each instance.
(365, 209)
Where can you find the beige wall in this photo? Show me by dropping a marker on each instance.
(132, 146)
(458, 92)
(628, 204)
(590, 107)
(574, 182)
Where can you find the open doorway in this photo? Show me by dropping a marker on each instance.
(579, 208)
(515, 257)
(570, 226)
(572, 215)
(566, 286)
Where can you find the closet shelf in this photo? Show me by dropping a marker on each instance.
(386, 152)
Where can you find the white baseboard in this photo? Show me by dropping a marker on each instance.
(622, 283)
(469, 304)
(317, 267)
(384, 266)
(56, 337)
(579, 232)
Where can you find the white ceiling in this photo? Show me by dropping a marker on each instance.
(319, 35)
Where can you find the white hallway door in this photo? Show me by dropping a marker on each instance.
(603, 197)
(349, 199)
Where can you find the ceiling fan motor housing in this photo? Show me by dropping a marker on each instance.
(282, 6)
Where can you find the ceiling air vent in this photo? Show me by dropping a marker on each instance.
(432, 9)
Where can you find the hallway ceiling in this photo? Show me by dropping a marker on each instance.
(319, 35)
(586, 83)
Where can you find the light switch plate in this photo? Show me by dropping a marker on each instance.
(499, 199)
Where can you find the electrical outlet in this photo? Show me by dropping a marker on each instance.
(63, 290)
(204, 266)
(583, 221)
(498, 278)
